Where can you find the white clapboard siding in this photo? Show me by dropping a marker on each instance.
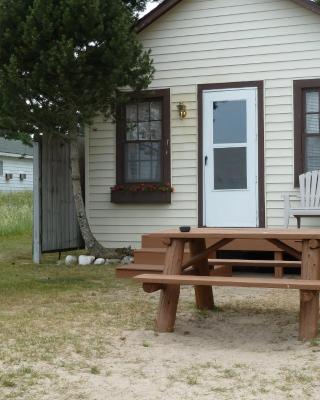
(210, 41)
(16, 166)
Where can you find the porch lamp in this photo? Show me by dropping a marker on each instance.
(182, 109)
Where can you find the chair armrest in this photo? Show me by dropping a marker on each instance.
(291, 195)
(287, 206)
(287, 197)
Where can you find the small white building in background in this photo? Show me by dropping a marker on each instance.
(16, 166)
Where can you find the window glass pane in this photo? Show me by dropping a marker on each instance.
(1, 167)
(143, 162)
(132, 171)
(156, 171)
(132, 151)
(155, 151)
(230, 122)
(132, 162)
(145, 171)
(312, 102)
(312, 123)
(131, 112)
(155, 110)
(143, 111)
(312, 154)
(149, 171)
(230, 168)
(132, 131)
(155, 130)
(145, 151)
(150, 151)
(144, 130)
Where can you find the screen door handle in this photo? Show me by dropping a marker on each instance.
(206, 160)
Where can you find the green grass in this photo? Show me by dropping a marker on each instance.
(55, 316)
(61, 317)
(16, 213)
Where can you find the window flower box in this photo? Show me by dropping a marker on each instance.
(141, 194)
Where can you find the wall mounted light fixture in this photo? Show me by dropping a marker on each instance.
(182, 108)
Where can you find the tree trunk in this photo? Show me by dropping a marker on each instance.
(92, 245)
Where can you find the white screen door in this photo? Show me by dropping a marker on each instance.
(230, 149)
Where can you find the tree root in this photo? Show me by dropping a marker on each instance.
(103, 252)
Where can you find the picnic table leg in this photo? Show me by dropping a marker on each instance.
(309, 299)
(169, 296)
(204, 295)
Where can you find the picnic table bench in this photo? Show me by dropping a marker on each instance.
(196, 271)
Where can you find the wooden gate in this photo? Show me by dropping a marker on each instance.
(55, 227)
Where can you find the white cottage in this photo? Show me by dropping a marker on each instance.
(16, 166)
(230, 121)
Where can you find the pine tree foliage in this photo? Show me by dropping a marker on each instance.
(62, 61)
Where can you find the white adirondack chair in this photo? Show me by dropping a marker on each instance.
(309, 199)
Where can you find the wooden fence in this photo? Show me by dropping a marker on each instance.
(55, 226)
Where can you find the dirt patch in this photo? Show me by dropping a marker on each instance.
(104, 347)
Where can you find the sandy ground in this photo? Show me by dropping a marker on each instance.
(246, 349)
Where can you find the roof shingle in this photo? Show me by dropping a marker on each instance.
(15, 147)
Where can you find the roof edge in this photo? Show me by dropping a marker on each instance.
(310, 5)
(166, 5)
(154, 14)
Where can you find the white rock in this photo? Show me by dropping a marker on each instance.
(99, 261)
(127, 260)
(71, 260)
(86, 260)
(112, 261)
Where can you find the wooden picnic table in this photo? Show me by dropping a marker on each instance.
(176, 240)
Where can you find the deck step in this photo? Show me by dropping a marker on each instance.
(154, 255)
(228, 281)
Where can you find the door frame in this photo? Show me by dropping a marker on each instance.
(261, 190)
